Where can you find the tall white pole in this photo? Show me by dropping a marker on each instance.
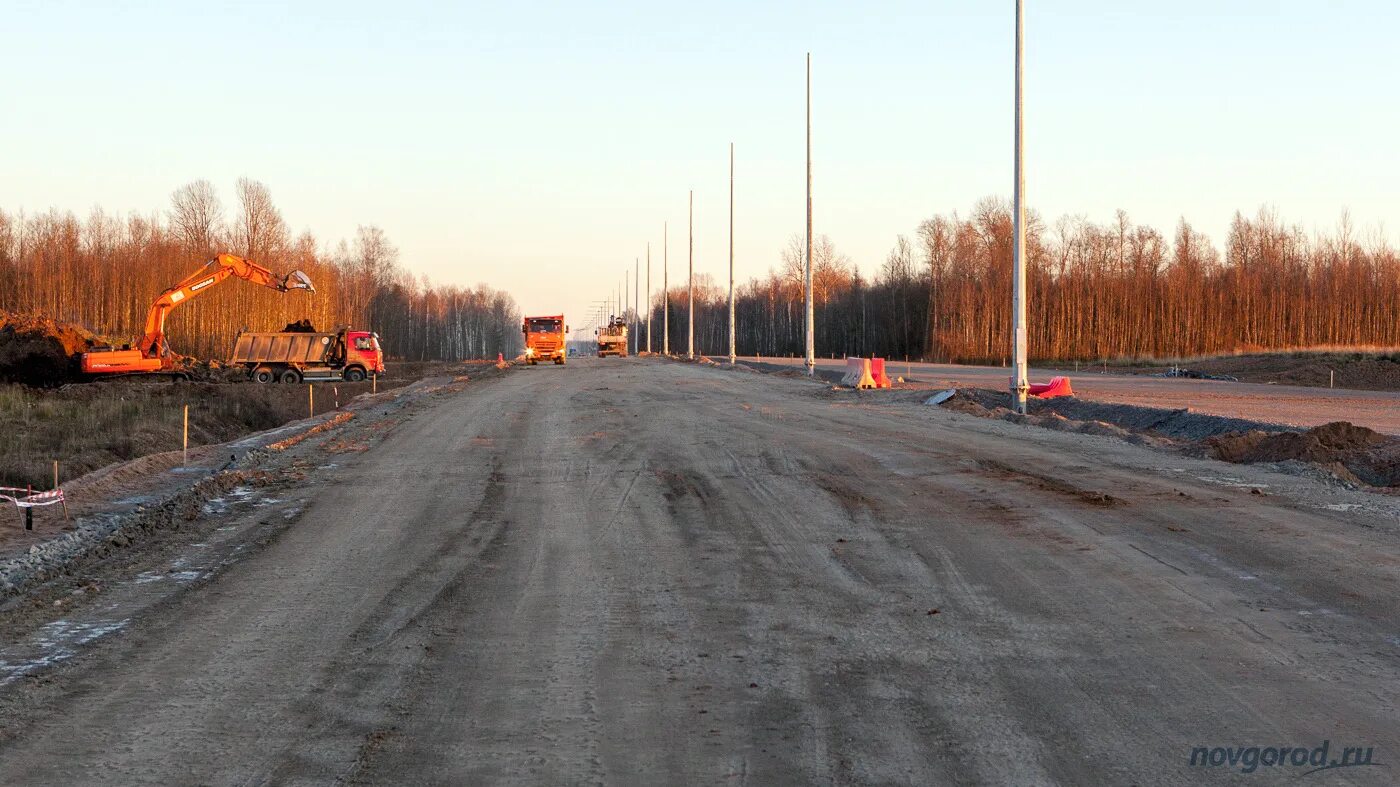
(665, 291)
(731, 254)
(690, 343)
(648, 298)
(811, 332)
(1020, 386)
(636, 304)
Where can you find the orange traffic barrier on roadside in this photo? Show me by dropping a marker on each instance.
(1058, 386)
(877, 372)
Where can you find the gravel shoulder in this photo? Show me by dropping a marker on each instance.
(642, 572)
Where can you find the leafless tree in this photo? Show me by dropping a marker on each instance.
(260, 233)
(196, 217)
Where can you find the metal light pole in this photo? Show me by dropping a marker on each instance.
(731, 254)
(690, 342)
(1020, 385)
(811, 361)
(636, 303)
(648, 298)
(665, 291)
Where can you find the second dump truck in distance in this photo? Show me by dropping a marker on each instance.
(291, 357)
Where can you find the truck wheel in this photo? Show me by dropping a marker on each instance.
(290, 376)
(263, 375)
(355, 375)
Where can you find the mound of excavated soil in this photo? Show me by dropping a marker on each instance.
(36, 350)
(1371, 457)
(300, 326)
(1353, 453)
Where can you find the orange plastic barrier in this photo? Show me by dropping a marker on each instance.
(877, 372)
(1058, 386)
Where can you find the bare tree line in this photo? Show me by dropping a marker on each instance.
(105, 271)
(1097, 291)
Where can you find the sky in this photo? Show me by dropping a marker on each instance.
(538, 147)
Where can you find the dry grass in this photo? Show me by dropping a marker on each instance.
(89, 426)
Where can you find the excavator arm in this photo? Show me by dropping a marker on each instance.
(153, 353)
(153, 344)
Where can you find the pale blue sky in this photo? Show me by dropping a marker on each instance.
(538, 146)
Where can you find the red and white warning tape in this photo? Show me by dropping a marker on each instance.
(31, 499)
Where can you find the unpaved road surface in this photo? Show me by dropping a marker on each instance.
(643, 572)
(1291, 405)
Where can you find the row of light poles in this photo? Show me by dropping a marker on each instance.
(1020, 383)
(690, 262)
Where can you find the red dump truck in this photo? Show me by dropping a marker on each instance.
(291, 357)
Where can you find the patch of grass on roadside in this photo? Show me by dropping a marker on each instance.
(86, 426)
(89, 426)
(1321, 353)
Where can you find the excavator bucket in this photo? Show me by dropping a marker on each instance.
(296, 280)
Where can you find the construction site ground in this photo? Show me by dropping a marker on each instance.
(1371, 370)
(1291, 405)
(645, 572)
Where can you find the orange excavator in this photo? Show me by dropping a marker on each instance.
(152, 354)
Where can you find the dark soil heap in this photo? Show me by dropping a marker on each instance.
(40, 351)
(1352, 453)
(300, 326)
(1369, 456)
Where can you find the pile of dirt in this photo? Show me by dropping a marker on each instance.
(1368, 456)
(1352, 453)
(300, 326)
(40, 351)
(967, 402)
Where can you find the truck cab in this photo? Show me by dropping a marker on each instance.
(363, 353)
(544, 339)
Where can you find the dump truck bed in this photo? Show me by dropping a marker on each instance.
(300, 348)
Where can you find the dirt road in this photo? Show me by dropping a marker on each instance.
(642, 572)
(1292, 405)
